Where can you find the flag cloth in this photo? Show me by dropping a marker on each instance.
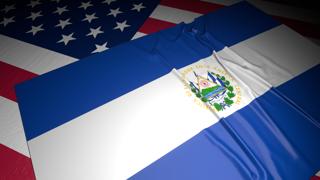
(23, 54)
(63, 30)
(39, 36)
(220, 97)
(32, 47)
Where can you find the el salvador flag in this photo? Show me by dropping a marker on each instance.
(233, 95)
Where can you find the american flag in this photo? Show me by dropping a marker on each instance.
(39, 36)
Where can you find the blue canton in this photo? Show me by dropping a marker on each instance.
(74, 28)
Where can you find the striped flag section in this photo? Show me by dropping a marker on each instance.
(169, 13)
(15, 166)
(25, 62)
(197, 101)
(21, 61)
(316, 177)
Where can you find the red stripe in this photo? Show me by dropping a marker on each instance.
(9, 77)
(14, 165)
(315, 178)
(192, 5)
(152, 25)
(304, 28)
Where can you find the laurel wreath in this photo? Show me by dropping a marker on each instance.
(227, 101)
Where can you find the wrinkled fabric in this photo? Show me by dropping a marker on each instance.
(274, 137)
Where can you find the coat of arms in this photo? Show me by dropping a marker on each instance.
(213, 89)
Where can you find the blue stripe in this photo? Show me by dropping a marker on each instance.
(268, 139)
(308, 100)
(225, 27)
(64, 94)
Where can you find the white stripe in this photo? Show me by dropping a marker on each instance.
(123, 136)
(276, 55)
(138, 35)
(11, 130)
(132, 131)
(173, 15)
(318, 173)
(244, 94)
(30, 57)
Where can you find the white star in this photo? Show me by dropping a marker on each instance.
(108, 1)
(35, 29)
(138, 7)
(8, 8)
(121, 26)
(85, 5)
(114, 12)
(61, 10)
(6, 21)
(89, 18)
(100, 48)
(33, 15)
(33, 3)
(66, 38)
(63, 23)
(95, 32)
